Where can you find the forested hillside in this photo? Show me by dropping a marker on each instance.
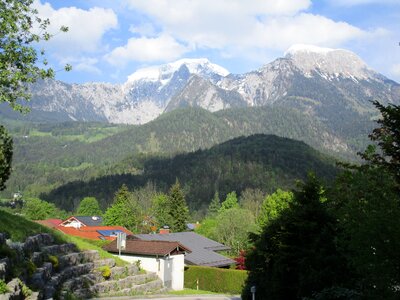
(261, 161)
(49, 155)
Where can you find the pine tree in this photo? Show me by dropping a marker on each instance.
(296, 255)
(178, 208)
(215, 205)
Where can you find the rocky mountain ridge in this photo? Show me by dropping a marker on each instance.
(312, 79)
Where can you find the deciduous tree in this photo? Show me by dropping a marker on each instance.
(89, 206)
(124, 211)
(18, 63)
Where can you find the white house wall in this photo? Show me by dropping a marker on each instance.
(169, 269)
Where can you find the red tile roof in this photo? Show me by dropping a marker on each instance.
(50, 222)
(141, 247)
(92, 231)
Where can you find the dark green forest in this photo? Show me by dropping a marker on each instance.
(266, 162)
(47, 156)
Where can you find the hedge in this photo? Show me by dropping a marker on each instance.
(215, 279)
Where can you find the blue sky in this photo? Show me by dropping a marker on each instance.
(108, 40)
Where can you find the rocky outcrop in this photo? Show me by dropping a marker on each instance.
(61, 271)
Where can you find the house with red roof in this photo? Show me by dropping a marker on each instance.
(87, 227)
(94, 232)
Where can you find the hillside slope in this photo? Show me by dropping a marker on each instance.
(261, 161)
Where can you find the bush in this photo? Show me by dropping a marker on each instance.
(3, 287)
(215, 279)
(54, 261)
(105, 272)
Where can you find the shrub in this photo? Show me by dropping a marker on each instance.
(30, 267)
(3, 287)
(105, 272)
(54, 261)
(215, 279)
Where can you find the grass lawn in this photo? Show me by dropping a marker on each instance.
(192, 292)
(20, 228)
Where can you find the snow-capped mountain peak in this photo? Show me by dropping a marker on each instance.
(163, 73)
(329, 63)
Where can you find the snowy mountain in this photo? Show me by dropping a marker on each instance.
(330, 84)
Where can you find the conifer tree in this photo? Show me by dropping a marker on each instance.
(178, 208)
(215, 205)
(296, 255)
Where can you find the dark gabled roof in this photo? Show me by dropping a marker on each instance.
(202, 248)
(142, 247)
(90, 220)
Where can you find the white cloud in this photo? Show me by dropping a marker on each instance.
(86, 27)
(281, 33)
(244, 26)
(161, 48)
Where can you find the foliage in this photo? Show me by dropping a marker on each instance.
(89, 207)
(252, 200)
(18, 57)
(367, 205)
(124, 211)
(233, 228)
(273, 205)
(177, 208)
(215, 205)
(264, 162)
(30, 267)
(208, 227)
(230, 202)
(105, 272)
(241, 260)
(53, 260)
(296, 255)
(6, 148)
(336, 293)
(215, 279)
(160, 210)
(3, 287)
(388, 138)
(36, 209)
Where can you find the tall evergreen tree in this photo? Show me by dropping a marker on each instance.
(215, 205)
(388, 138)
(6, 146)
(178, 208)
(296, 256)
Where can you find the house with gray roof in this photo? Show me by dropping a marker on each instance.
(204, 250)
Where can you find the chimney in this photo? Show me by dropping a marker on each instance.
(164, 230)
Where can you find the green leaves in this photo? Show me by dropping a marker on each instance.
(18, 56)
(89, 207)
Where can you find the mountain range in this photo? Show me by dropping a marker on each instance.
(331, 84)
